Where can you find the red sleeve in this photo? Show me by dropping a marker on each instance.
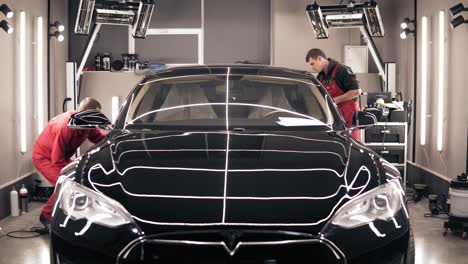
(59, 148)
(96, 136)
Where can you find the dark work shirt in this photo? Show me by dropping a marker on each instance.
(344, 78)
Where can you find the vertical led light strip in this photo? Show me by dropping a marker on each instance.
(40, 74)
(22, 81)
(423, 79)
(441, 84)
(115, 108)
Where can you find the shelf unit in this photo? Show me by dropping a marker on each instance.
(389, 140)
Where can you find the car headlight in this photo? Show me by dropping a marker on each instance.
(79, 202)
(382, 203)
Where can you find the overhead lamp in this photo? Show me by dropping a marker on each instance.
(457, 9)
(374, 20)
(57, 35)
(404, 34)
(317, 21)
(58, 25)
(6, 26)
(84, 16)
(143, 18)
(457, 21)
(114, 16)
(6, 11)
(405, 23)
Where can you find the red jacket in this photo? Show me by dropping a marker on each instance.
(57, 143)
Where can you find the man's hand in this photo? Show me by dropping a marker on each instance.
(349, 95)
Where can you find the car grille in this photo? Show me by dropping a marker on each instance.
(233, 246)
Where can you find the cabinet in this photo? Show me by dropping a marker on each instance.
(389, 140)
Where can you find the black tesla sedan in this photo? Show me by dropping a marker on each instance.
(229, 164)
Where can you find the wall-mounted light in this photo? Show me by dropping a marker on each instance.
(441, 81)
(40, 74)
(22, 81)
(6, 11)
(57, 35)
(424, 54)
(6, 26)
(59, 26)
(457, 21)
(454, 10)
(404, 34)
(9, 14)
(457, 9)
(115, 108)
(405, 23)
(405, 26)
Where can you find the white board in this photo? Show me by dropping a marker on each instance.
(356, 57)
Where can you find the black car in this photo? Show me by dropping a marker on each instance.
(229, 164)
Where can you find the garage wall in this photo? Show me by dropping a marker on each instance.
(14, 165)
(233, 31)
(292, 37)
(452, 161)
(237, 31)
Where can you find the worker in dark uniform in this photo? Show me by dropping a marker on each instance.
(57, 143)
(341, 83)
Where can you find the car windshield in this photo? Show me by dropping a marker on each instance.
(248, 101)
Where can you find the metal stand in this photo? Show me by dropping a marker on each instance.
(89, 46)
(74, 75)
(456, 224)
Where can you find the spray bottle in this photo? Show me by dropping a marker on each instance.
(14, 202)
(24, 199)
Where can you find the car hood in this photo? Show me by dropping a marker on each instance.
(196, 180)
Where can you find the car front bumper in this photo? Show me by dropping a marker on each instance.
(351, 246)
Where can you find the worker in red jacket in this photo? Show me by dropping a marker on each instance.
(340, 82)
(56, 145)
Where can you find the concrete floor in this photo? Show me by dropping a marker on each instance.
(431, 246)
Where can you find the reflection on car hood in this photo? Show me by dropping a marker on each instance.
(182, 180)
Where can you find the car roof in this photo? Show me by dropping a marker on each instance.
(249, 69)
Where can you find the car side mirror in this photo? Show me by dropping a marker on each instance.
(89, 119)
(363, 119)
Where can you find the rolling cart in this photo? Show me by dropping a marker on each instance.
(458, 215)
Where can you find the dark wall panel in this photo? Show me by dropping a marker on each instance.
(234, 31)
(168, 48)
(237, 30)
(176, 14)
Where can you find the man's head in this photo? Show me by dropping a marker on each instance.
(89, 103)
(317, 59)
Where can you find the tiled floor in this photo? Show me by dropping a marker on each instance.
(431, 246)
